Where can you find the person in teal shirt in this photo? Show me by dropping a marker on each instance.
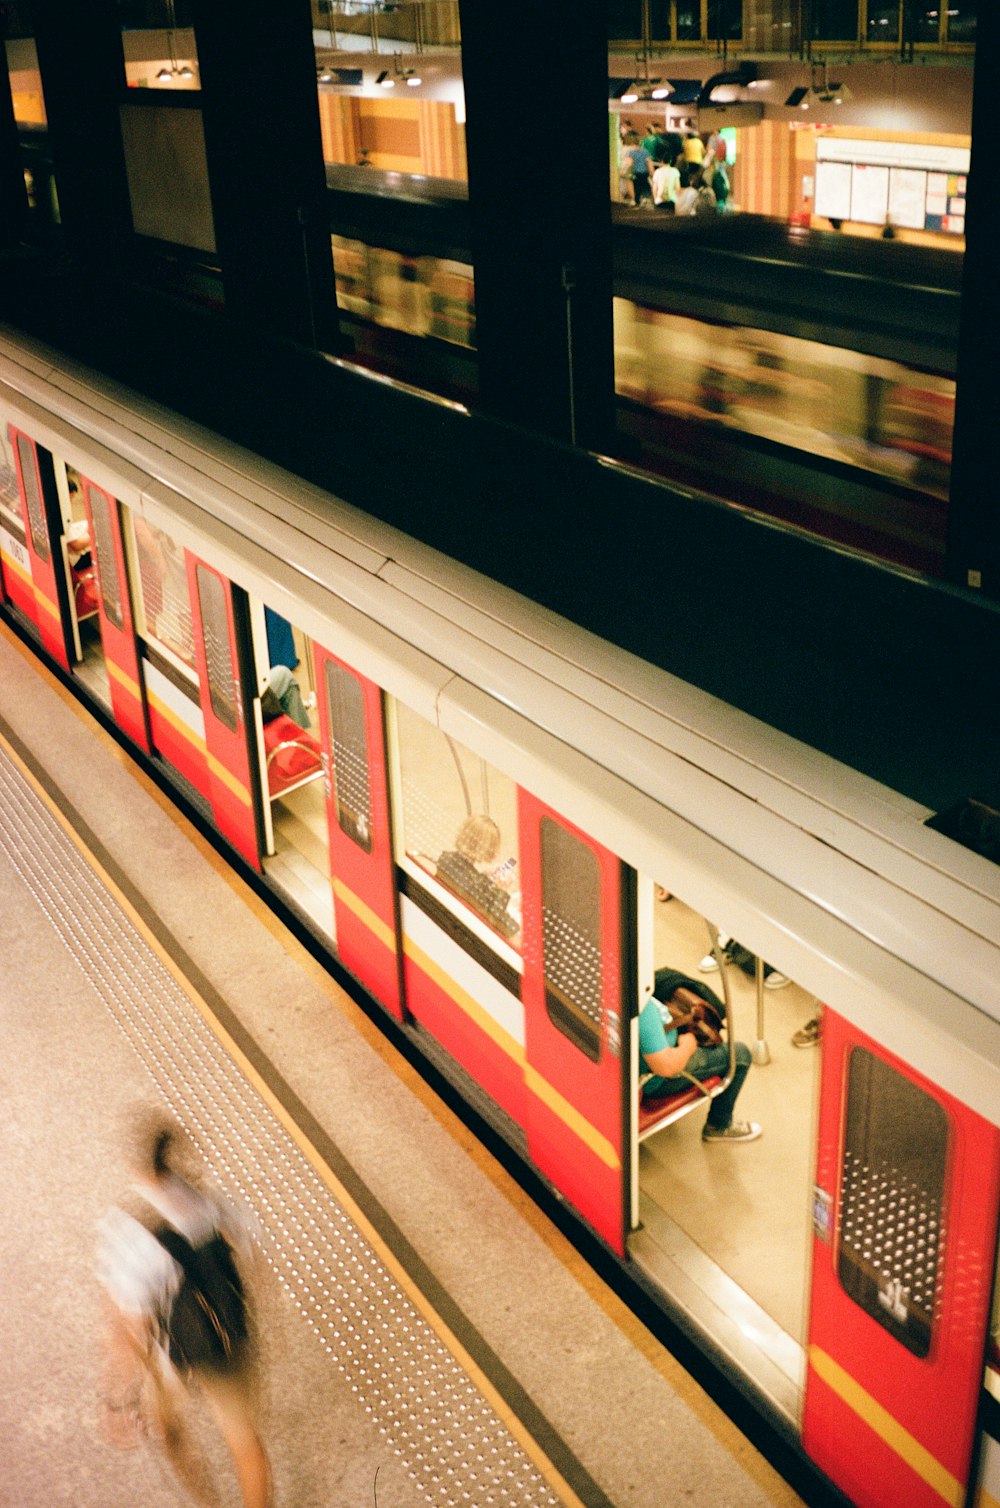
(672, 1058)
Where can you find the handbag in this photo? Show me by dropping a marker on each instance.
(689, 1012)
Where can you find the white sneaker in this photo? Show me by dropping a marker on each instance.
(708, 964)
(737, 1131)
(776, 981)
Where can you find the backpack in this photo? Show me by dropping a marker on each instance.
(207, 1323)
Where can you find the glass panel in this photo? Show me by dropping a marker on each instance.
(11, 516)
(725, 19)
(571, 936)
(891, 1237)
(159, 43)
(689, 20)
(459, 825)
(835, 20)
(351, 774)
(33, 498)
(163, 603)
(924, 22)
(104, 553)
(212, 594)
(624, 20)
(25, 82)
(962, 16)
(883, 22)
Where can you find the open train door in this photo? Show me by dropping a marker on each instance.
(114, 614)
(221, 621)
(43, 531)
(574, 969)
(906, 1207)
(361, 858)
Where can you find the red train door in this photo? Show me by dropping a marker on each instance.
(114, 612)
(572, 992)
(220, 618)
(43, 535)
(905, 1220)
(361, 860)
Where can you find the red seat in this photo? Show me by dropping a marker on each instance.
(653, 1114)
(293, 756)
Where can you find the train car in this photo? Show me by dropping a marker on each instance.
(511, 834)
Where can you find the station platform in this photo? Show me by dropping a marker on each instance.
(428, 1336)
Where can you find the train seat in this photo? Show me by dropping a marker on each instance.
(656, 1115)
(294, 757)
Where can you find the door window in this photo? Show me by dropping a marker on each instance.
(104, 548)
(351, 773)
(891, 1248)
(571, 936)
(218, 657)
(33, 498)
(164, 608)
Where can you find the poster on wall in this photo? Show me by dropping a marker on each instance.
(833, 190)
(869, 193)
(907, 197)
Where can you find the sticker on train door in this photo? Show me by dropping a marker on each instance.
(361, 858)
(572, 992)
(220, 619)
(114, 614)
(908, 1179)
(43, 536)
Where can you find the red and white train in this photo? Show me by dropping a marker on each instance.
(481, 809)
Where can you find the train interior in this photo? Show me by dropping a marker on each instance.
(297, 836)
(709, 1215)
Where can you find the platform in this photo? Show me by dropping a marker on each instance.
(429, 1338)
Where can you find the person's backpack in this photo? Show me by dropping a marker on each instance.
(207, 1323)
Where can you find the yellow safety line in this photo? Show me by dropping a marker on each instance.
(888, 1429)
(496, 1401)
(556, 1102)
(365, 914)
(124, 680)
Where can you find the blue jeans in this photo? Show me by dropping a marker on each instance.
(710, 1063)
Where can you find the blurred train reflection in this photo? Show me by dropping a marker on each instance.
(421, 295)
(853, 407)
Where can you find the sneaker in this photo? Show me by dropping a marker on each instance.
(808, 1035)
(735, 1131)
(775, 981)
(708, 964)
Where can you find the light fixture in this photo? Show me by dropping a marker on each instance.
(796, 97)
(386, 80)
(176, 70)
(629, 98)
(412, 79)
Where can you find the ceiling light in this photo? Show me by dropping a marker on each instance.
(185, 72)
(662, 91)
(386, 80)
(413, 80)
(165, 74)
(629, 98)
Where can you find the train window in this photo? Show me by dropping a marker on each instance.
(104, 550)
(891, 1194)
(459, 827)
(11, 517)
(571, 936)
(349, 742)
(33, 497)
(218, 654)
(163, 602)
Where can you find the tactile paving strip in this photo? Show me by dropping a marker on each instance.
(455, 1448)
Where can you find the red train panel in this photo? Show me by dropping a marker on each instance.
(572, 1001)
(906, 1209)
(43, 537)
(114, 610)
(361, 857)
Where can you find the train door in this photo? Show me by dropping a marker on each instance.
(43, 540)
(364, 894)
(114, 614)
(905, 1221)
(577, 973)
(220, 621)
(296, 829)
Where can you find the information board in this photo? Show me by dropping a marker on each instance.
(869, 193)
(833, 190)
(907, 197)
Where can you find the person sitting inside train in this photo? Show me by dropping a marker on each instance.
(464, 869)
(672, 1057)
(282, 694)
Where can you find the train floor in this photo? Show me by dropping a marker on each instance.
(427, 1336)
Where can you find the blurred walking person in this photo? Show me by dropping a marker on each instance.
(177, 1316)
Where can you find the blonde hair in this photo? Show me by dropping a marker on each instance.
(478, 839)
